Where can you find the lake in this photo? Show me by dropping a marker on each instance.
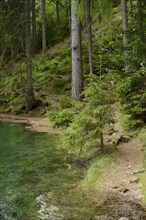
(33, 165)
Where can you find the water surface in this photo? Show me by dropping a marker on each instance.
(31, 164)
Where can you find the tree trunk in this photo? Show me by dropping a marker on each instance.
(57, 14)
(101, 142)
(44, 44)
(89, 32)
(131, 7)
(3, 55)
(29, 80)
(140, 19)
(68, 13)
(12, 50)
(125, 32)
(33, 28)
(77, 81)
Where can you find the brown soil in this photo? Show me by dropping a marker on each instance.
(33, 124)
(118, 193)
(120, 175)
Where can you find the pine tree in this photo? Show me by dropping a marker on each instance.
(125, 32)
(33, 26)
(44, 43)
(89, 32)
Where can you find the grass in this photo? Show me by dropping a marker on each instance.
(142, 141)
(143, 179)
(96, 169)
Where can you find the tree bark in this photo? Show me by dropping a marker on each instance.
(44, 44)
(3, 55)
(89, 32)
(140, 19)
(101, 142)
(28, 49)
(57, 14)
(130, 6)
(33, 27)
(68, 13)
(125, 32)
(12, 50)
(77, 80)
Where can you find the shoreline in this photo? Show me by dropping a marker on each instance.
(32, 123)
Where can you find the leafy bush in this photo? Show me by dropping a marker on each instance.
(12, 86)
(61, 118)
(62, 114)
(65, 102)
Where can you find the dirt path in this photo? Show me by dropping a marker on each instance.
(33, 124)
(120, 179)
(120, 188)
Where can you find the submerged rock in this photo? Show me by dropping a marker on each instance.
(6, 212)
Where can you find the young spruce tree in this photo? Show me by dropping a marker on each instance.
(93, 117)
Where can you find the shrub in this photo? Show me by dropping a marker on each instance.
(61, 118)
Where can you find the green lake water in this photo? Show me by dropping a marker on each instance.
(31, 165)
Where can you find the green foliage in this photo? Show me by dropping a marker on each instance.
(65, 102)
(107, 47)
(61, 118)
(142, 137)
(96, 169)
(62, 114)
(93, 118)
(12, 86)
(133, 96)
(52, 73)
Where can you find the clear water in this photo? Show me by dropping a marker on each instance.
(31, 164)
